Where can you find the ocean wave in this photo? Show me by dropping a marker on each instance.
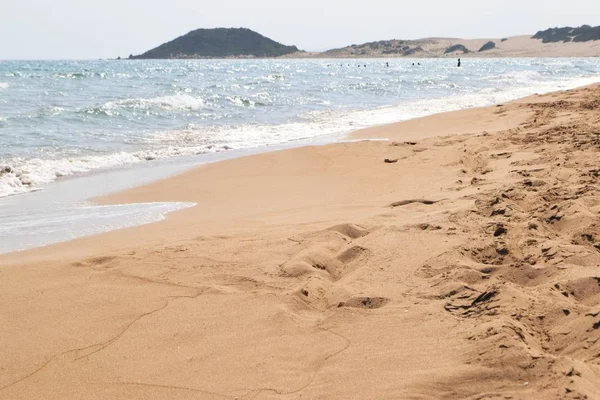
(4, 85)
(79, 75)
(273, 78)
(106, 111)
(51, 111)
(21, 176)
(11, 182)
(266, 79)
(69, 75)
(173, 102)
(244, 102)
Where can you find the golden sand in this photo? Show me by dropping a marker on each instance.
(468, 266)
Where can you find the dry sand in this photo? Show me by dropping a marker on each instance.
(466, 267)
(519, 46)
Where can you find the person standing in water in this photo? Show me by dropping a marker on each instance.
(459, 63)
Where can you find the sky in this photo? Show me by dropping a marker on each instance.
(84, 29)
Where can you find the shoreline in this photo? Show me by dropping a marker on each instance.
(472, 55)
(103, 197)
(325, 271)
(27, 173)
(185, 162)
(420, 125)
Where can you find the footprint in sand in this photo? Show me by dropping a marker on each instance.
(368, 303)
(349, 230)
(352, 254)
(407, 202)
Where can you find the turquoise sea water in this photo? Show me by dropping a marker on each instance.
(63, 119)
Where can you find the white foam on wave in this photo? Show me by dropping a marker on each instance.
(481, 98)
(243, 102)
(4, 85)
(323, 123)
(274, 78)
(180, 101)
(51, 111)
(22, 176)
(12, 184)
(80, 75)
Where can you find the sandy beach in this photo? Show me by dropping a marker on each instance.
(459, 259)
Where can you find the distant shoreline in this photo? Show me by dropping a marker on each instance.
(243, 43)
(328, 57)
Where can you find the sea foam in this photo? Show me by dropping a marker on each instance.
(174, 102)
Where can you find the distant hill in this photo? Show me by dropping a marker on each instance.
(584, 33)
(384, 48)
(244, 43)
(218, 43)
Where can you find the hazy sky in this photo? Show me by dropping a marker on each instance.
(35, 29)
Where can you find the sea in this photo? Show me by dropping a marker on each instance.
(74, 130)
